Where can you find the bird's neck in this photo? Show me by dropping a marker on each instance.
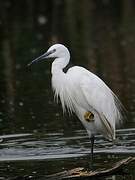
(59, 64)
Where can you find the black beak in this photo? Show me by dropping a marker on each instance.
(43, 56)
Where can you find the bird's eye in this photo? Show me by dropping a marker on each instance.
(54, 50)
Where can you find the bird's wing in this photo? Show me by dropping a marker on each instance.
(100, 97)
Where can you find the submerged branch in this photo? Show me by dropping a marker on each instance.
(80, 173)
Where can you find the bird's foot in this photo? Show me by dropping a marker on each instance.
(89, 116)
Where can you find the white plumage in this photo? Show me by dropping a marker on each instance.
(83, 93)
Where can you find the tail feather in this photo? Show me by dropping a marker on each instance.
(110, 131)
(121, 111)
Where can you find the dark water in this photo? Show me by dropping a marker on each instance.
(36, 139)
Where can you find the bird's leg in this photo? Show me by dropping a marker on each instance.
(92, 146)
(92, 138)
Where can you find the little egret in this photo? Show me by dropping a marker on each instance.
(84, 94)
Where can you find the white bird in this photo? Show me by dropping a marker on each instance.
(84, 94)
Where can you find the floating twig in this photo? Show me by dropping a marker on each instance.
(81, 173)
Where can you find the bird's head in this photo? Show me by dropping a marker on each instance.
(55, 51)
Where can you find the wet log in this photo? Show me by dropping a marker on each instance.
(81, 173)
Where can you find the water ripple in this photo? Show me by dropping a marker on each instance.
(57, 146)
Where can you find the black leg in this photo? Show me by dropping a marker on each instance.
(92, 146)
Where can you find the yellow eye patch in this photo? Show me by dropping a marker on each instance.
(88, 116)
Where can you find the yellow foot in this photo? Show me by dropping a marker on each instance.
(88, 116)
